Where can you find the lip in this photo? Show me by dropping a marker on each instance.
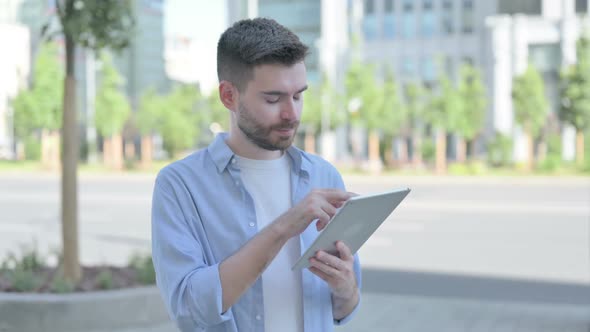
(286, 131)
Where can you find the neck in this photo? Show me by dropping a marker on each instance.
(242, 146)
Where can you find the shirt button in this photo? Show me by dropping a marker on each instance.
(237, 183)
(258, 317)
(251, 224)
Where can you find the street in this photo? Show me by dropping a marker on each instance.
(460, 240)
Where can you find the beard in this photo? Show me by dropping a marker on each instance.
(261, 135)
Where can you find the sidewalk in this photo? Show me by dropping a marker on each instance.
(391, 312)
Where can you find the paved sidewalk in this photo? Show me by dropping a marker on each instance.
(405, 313)
(390, 312)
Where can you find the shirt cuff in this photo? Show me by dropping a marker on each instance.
(347, 318)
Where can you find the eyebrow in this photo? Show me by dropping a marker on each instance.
(281, 93)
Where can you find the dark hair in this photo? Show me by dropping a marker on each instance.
(253, 42)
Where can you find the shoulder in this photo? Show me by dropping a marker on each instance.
(183, 170)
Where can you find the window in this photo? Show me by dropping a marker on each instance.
(408, 20)
(370, 29)
(428, 19)
(389, 26)
(447, 17)
(467, 16)
(428, 69)
(582, 6)
(369, 7)
(408, 5)
(545, 57)
(511, 7)
(389, 6)
(409, 67)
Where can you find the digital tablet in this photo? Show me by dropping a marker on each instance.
(354, 223)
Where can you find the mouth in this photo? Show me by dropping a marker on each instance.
(285, 131)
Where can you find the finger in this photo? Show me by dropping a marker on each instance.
(335, 195)
(320, 274)
(352, 194)
(328, 270)
(344, 251)
(330, 260)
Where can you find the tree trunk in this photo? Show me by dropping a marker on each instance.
(374, 158)
(441, 152)
(579, 147)
(147, 148)
(107, 152)
(416, 150)
(69, 176)
(50, 152)
(403, 151)
(129, 151)
(461, 149)
(530, 152)
(542, 151)
(309, 144)
(117, 150)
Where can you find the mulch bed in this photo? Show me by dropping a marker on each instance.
(120, 277)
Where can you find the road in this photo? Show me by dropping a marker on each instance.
(500, 239)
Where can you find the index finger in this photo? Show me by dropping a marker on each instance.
(336, 195)
(344, 251)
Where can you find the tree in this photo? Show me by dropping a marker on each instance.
(112, 110)
(443, 106)
(469, 121)
(149, 116)
(40, 107)
(414, 98)
(181, 124)
(320, 111)
(94, 24)
(575, 95)
(530, 107)
(395, 116)
(362, 89)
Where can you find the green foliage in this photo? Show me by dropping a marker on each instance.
(362, 87)
(469, 121)
(575, 88)
(500, 150)
(395, 115)
(445, 106)
(24, 280)
(32, 148)
(181, 124)
(112, 106)
(144, 268)
(217, 111)
(150, 112)
(40, 107)
(60, 285)
(530, 103)
(104, 280)
(415, 103)
(97, 24)
(428, 150)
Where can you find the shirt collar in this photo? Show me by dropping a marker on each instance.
(221, 154)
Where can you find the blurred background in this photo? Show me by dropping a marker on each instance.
(481, 107)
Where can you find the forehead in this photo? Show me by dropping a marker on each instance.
(278, 77)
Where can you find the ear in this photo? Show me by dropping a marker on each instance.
(228, 94)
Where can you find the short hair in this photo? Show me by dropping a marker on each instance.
(252, 42)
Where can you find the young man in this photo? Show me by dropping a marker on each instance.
(229, 221)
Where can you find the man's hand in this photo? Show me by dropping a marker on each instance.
(338, 272)
(320, 204)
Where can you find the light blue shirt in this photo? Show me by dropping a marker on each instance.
(202, 214)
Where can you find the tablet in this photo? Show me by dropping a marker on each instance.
(354, 223)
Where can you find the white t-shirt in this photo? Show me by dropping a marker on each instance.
(269, 184)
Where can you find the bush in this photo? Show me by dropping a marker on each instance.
(428, 151)
(500, 150)
(32, 148)
(145, 269)
(104, 280)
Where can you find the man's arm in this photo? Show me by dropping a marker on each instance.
(239, 271)
(338, 272)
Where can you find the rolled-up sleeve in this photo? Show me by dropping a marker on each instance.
(190, 288)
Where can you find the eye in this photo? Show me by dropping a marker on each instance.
(272, 101)
(297, 96)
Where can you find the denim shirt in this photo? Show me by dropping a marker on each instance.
(201, 214)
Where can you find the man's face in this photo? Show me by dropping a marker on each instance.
(270, 106)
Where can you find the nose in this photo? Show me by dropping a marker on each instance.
(289, 110)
